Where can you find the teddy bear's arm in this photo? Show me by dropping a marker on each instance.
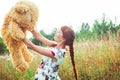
(15, 31)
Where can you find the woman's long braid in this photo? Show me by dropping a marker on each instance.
(72, 60)
(69, 36)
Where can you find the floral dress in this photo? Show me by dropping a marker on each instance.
(48, 69)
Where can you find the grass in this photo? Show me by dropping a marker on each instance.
(95, 60)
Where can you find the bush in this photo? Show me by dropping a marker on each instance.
(3, 47)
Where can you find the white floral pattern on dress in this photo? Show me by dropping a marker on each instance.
(48, 69)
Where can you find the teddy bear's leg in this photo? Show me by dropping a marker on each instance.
(17, 59)
(26, 54)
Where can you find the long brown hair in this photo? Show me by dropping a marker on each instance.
(69, 35)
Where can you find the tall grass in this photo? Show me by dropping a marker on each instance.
(95, 60)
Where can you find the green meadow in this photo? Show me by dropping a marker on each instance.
(94, 60)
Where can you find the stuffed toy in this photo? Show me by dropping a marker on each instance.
(22, 17)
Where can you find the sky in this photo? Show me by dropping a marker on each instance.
(55, 13)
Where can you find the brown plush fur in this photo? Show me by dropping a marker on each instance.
(22, 17)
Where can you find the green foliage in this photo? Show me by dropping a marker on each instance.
(3, 47)
(84, 33)
(101, 29)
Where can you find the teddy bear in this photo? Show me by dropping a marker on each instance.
(23, 16)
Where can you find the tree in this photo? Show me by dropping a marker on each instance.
(84, 32)
(102, 29)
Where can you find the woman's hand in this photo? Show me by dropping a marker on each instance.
(32, 31)
(27, 42)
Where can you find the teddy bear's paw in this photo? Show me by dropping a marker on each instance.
(22, 67)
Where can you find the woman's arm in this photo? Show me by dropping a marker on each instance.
(41, 38)
(39, 49)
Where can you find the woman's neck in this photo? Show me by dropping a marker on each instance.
(60, 46)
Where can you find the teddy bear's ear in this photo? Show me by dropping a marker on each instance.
(21, 9)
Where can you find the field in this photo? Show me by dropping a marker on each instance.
(95, 60)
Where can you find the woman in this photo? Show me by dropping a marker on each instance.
(54, 55)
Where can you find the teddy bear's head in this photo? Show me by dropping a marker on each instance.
(25, 14)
